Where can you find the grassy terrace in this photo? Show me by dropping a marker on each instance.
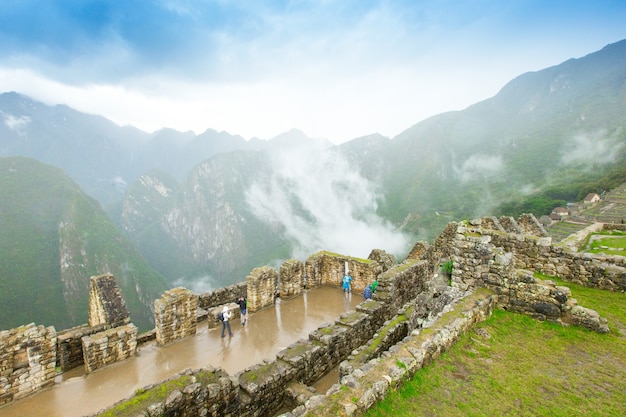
(608, 242)
(563, 229)
(612, 208)
(515, 366)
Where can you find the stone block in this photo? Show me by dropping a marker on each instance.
(175, 315)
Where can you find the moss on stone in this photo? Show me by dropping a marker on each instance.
(206, 378)
(352, 317)
(258, 372)
(338, 255)
(143, 398)
(296, 350)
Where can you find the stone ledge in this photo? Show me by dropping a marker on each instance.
(370, 383)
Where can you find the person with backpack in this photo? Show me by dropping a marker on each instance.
(243, 309)
(224, 316)
(367, 292)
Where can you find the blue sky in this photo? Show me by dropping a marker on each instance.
(334, 69)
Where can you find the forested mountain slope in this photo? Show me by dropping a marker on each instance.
(54, 238)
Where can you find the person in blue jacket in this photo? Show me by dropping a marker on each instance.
(347, 279)
(367, 292)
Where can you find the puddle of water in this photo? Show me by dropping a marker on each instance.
(266, 333)
(327, 381)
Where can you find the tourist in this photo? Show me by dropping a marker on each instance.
(243, 309)
(347, 279)
(225, 323)
(367, 293)
(374, 285)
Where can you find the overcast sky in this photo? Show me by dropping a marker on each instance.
(334, 69)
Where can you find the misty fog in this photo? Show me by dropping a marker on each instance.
(323, 203)
(591, 148)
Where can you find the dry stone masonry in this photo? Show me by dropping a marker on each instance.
(262, 284)
(27, 361)
(106, 305)
(376, 347)
(291, 278)
(110, 346)
(175, 315)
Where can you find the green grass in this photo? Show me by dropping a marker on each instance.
(607, 242)
(512, 365)
(137, 405)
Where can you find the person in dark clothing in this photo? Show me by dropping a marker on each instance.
(243, 309)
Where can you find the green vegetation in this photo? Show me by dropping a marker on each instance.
(143, 398)
(607, 242)
(516, 366)
(54, 239)
(569, 185)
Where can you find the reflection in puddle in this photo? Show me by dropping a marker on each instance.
(266, 333)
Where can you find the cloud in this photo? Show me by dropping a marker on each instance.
(198, 285)
(591, 148)
(333, 69)
(15, 124)
(478, 166)
(323, 203)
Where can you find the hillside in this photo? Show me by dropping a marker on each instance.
(54, 238)
(203, 231)
(557, 133)
(547, 138)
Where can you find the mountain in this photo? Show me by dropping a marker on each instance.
(205, 209)
(554, 134)
(202, 232)
(54, 238)
(102, 157)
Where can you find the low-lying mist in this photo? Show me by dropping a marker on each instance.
(322, 202)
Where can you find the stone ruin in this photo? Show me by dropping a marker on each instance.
(381, 344)
(27, 361)
(107, 311)
(106, 305)
(175, 315)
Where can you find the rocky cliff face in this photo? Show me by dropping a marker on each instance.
(205, 222)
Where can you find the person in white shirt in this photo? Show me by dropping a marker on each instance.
(225, 322)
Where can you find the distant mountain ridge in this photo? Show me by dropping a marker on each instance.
(183, 200)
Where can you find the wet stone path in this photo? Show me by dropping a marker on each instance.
(265, 334)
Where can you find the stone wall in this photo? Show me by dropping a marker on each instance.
(371, 382)
(402, 283)
(262, 287)
(109, 346)
(291, 278)
(220, 296)
(70, 345)
(481, 262)
(538, 254)
(106, 305)
(27, 361)
(263, 388)
(175, 315)
(324, 268)
(490, 252)
(212, 316)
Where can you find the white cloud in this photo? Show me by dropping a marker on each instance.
(337, 70)
(479, 165)
(15, 123)
(591, 148)
(323, 204)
